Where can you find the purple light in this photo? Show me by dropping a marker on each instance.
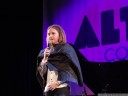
(70, 18)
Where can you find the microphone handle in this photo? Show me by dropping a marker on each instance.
(47, 55)
(49, 47)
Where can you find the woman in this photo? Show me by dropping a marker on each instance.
(58, 65)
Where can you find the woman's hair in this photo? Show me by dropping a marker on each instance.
(62, 36)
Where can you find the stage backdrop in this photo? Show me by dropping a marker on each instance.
(98, 28)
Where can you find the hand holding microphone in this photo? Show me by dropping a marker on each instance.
(49, 48)
(47, 51)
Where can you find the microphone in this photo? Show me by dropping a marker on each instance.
(49, 46)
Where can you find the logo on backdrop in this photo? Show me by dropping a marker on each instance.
(109, 35)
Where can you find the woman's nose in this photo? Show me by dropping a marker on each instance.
(50, 35)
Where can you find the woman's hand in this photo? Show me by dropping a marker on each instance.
(53, 85)
(46, 54)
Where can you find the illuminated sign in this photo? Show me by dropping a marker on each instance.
(99, 29)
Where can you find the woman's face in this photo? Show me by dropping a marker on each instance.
(53, 36)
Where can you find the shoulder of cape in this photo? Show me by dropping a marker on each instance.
(40, 55)
(79, 54)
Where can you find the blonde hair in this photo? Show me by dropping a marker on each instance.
(62, 36)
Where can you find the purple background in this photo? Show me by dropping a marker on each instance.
(70, 17)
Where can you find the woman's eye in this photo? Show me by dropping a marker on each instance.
(52, 33)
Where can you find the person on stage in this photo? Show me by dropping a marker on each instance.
(58, 64)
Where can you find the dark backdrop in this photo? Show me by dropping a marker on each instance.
(21, 40)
